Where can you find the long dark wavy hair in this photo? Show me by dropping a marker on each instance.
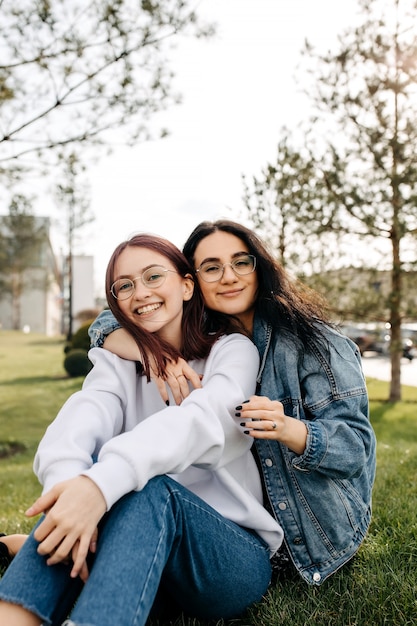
(196, 341)
(288, 305)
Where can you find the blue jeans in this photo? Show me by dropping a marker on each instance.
(162, 543)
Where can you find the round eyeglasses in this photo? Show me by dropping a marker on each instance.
(153, 277)
(242, 265)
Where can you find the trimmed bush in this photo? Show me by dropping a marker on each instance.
(76, 363)
(67, 347)
(80, 339)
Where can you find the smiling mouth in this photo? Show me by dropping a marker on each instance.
(233, 292)
(149, 308)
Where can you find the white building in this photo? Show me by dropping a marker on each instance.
(82, 292)
(35, 299)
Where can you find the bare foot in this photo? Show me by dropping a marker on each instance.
(13, 543)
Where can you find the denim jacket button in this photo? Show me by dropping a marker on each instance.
(298, 541)
(316, 577)
(269, 462)
(282, 506)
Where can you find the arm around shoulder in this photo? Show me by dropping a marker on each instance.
(106, 332)
(104, 324)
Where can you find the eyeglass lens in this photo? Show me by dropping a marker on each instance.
(242, 265)
(152, 277)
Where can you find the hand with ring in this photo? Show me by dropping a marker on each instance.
(179, 374)
(263, 418)
(179, 377)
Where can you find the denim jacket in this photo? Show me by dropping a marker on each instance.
(322, 499)
(102, 326)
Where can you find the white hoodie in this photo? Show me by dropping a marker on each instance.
(119, 420)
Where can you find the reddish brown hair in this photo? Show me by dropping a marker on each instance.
(196, 342)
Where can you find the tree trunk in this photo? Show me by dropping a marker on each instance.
(395, 320)
(395, 302)
(16, 304)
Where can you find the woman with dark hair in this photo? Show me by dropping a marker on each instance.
(314, 444)
(174, 491)
(278, 297)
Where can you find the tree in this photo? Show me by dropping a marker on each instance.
(74, 72)
(22, 237)
(72, 193)
(289, 208)
(361, 141)
(286, 206)
(367, 93)
(78, 76)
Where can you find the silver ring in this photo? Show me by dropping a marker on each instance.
(274, 425)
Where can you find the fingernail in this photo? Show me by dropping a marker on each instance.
(237, 414)
(245, 401)
(238, 408)
(242, 424)
(167, 402)
(246, 432)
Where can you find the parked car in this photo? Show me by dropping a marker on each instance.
(365, 338)
(409, 341)
(409, 338)
(409, 350)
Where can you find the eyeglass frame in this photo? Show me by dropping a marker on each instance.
(149, 286)
(223, 265)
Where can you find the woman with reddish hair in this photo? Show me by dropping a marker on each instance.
(174, 491)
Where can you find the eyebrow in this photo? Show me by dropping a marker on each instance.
(148, 267)
(217, 260)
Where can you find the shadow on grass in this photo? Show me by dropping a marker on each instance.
(37, 380)
(47, 342)
(10, 448)
(385, 415)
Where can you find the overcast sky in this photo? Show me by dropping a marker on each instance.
(238, 91)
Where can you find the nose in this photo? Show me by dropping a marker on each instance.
(140, 290)
(228, 273)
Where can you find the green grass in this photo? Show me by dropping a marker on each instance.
(33, 385)
(378, 587)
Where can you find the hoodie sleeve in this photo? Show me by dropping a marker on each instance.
(87, 420)
(203, 431)
(113, 432)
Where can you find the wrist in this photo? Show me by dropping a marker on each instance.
(295, 435)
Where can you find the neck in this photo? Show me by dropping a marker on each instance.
(175, 340)
(246, 319)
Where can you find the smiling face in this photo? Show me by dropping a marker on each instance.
(155, 309)
(232, 294)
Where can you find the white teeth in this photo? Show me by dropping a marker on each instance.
(148, 308)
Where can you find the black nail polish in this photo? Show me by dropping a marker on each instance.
(167, 402)
(246, 432)
(238, 408)
(245, 401)
(237, 414)
(242, 423)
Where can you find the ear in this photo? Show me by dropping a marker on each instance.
(188, 286)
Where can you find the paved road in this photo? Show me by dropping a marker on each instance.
(380, 367)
